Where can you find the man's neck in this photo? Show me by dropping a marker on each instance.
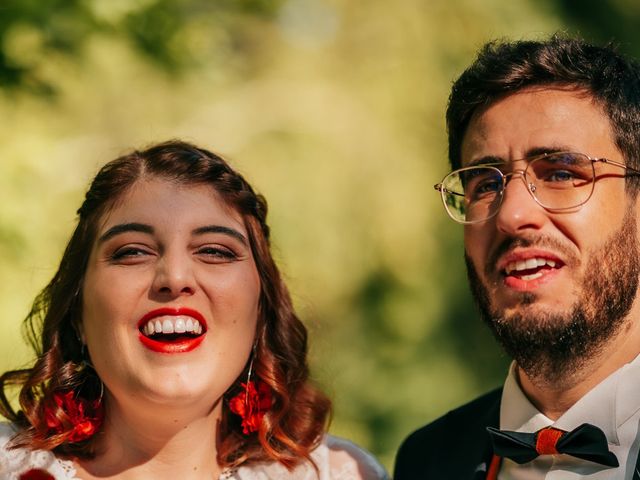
(553, 397)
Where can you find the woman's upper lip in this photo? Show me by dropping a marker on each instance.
(173, 311)
(525, 254)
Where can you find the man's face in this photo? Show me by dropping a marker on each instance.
(551, 284)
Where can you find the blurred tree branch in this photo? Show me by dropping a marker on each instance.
(34, 31)
(603, 21)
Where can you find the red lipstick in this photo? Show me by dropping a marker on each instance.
(181, 344)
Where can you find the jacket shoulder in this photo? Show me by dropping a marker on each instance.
(453, 445)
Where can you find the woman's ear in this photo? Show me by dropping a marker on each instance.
(76, 321)
(79, 328)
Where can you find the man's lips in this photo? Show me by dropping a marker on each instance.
(520, 260)
(172, 330)
(528, 268)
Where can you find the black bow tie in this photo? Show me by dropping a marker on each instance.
(587, 442)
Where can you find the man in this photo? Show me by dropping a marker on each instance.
(547, 137)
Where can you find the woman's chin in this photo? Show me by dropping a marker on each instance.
(170, 396)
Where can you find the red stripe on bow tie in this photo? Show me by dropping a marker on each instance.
(546, 441)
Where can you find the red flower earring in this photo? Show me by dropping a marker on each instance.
(86, 416)
(252, 402)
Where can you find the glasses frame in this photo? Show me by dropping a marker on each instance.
(531, 188)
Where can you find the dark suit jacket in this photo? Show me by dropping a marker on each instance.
(453, 447)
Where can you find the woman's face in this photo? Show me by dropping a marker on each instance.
(170, 297)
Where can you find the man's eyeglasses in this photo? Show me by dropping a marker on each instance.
(557, 181)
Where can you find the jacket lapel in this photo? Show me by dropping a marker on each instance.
(490, 419)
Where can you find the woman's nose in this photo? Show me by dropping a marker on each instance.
(174, 276)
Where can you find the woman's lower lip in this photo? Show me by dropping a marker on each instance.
(179, 346)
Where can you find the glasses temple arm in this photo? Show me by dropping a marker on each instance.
(630, 170)
(439, 187)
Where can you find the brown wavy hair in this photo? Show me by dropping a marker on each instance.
(298, 417)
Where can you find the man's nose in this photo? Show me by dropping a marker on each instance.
(519, 210)
(174, 276)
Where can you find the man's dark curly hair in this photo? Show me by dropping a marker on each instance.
(503, 68)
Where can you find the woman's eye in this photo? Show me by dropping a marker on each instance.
(128, 253)
(217, 253)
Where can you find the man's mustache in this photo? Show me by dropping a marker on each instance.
(541, 242)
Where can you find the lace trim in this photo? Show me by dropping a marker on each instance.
(67, 467)
(355, 463)
(14, 463)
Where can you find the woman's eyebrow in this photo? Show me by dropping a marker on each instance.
(220, 229)
(125, 227)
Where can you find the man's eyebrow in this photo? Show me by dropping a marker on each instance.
(487, 159)
(532, 152)
(220, 229)
(125, 227)
(537, 151)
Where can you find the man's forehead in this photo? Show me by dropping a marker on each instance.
(535, 121)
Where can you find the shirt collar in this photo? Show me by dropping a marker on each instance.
(608, 405)
(517, 413)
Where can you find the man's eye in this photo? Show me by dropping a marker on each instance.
(488, 186)
(559, 176)
(485, 187)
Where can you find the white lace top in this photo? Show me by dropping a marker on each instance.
(336, 458)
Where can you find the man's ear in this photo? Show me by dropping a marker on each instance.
(635, 206)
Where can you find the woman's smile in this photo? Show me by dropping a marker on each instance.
(172, 330)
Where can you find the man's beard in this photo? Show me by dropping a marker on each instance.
(552, 346)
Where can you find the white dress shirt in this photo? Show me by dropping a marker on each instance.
(613, 405)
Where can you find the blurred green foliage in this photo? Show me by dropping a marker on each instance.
(614, 21)
(333, 109)
(171, 33)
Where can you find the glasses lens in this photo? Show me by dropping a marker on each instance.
(561, 180)
(472, 194)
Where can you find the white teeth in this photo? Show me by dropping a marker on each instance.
(531, 277)
(172, 324)
(180, 327)
(167, 326)
(529, 264)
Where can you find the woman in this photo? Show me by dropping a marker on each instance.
(167, 343)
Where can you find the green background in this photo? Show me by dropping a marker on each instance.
(334, 110)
